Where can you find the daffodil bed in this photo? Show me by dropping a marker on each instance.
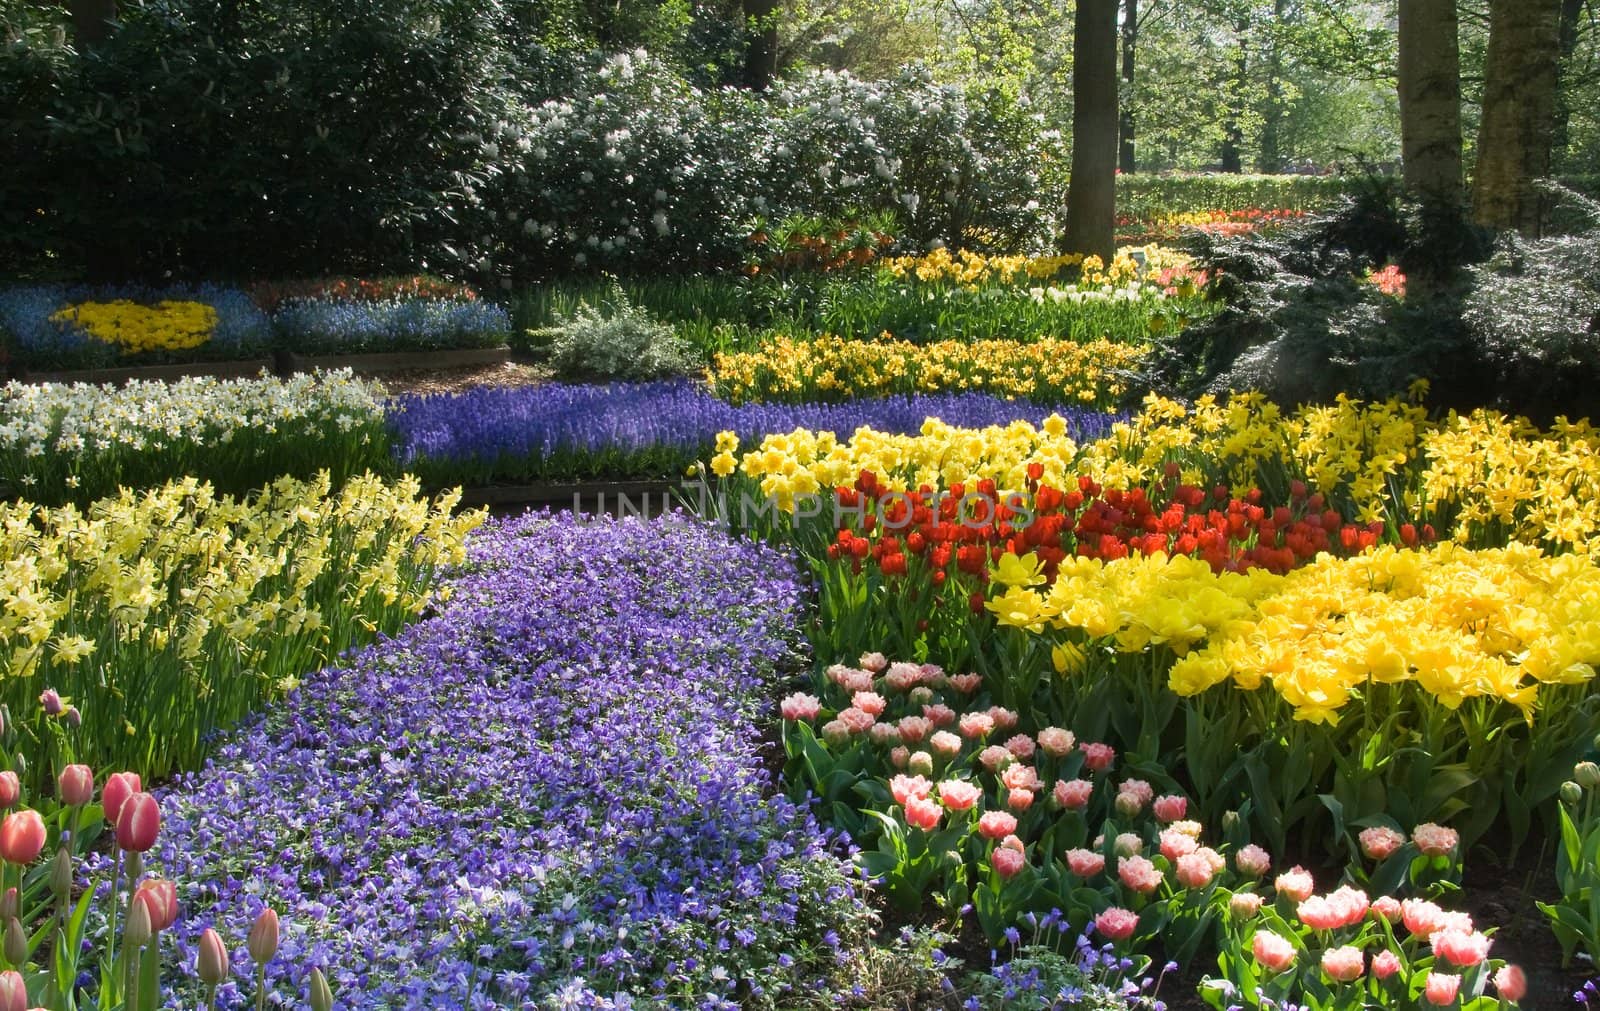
(166, 615)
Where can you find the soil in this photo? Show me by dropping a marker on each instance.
(445, 381)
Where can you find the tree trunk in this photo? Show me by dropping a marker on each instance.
(1519, 99)
(1560, 135)
(1092, 194)
(1430, 101)
(761, 57)
(91, 21)
(1232, 155)
(1130, 43)
(1271, 158)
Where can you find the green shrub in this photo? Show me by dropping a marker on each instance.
(618, 340)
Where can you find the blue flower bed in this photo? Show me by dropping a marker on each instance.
(549, 794)
(350, 326)
(562, 432)
(34, 339)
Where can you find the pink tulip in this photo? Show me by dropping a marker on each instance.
(1116, 924)
(160, 899)
(1007, 862)
(1057, 743)
(1194, 870)
(1296, 884)
(1138, 874)
(13, 991)
(138, 823)
(50, 701)
(1170, 808)
(1020, 777)
(1074, 794)
(1272, 951)
(800, 707)
(1435, 840)
(904, 787)
(923, 813)
(1385, 964)
(1344, 964)
(1511, 983)
(1381, 842)
(996, 824)
(75, 785)
(118, 789)
(1252, 861)
(1461, 948)
(1097, 757)
(1085, 863)
(1441, 988)
(10, 789)
(1019, 800)
(1244, 905)
(22, 836)
(958, 794)
(1388, 907)
(1176, 844)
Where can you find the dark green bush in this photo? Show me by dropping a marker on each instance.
(1303, 322)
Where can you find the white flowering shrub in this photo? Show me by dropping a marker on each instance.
(968, 168)
(635, 169)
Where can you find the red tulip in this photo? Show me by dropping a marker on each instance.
(10, 789)
(21, 837)
(118, 788)
(75, 785)
(160, 899)
(138, 823)
(263, 941)
(13, 992)
(212, 964)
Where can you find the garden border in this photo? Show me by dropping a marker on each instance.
(283, 364)
(563, 495)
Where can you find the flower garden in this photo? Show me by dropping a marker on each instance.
(1192, 609)
(1017, 695)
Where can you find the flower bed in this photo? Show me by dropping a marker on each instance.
(533, 796)
(59, 327)
(339, 326)
(166, 616)
(787, 370)
(82, 442)
(561, 432)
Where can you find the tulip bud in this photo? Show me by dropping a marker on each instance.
(138, 823)
(75, 785)
(1230, 821)
(1571, 793)
(160, 899)
(61, 875)
(72, 717)
(921, 763)
(10, 789)
(212, 963)
(9, 906)
(321, 996)
(22, 836)
(1587, 774)
(136, 934)
(51, 702)
(16, 942)
(263, 942)
(13, 992)
(118, 789)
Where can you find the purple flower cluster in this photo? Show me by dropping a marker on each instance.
(564, 432)
(548, 793)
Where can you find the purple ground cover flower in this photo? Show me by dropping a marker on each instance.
(550, 790)
(658, 429)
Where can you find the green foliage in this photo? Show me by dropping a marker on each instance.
(1304, 324)
(616, 340)
(1146, 196)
